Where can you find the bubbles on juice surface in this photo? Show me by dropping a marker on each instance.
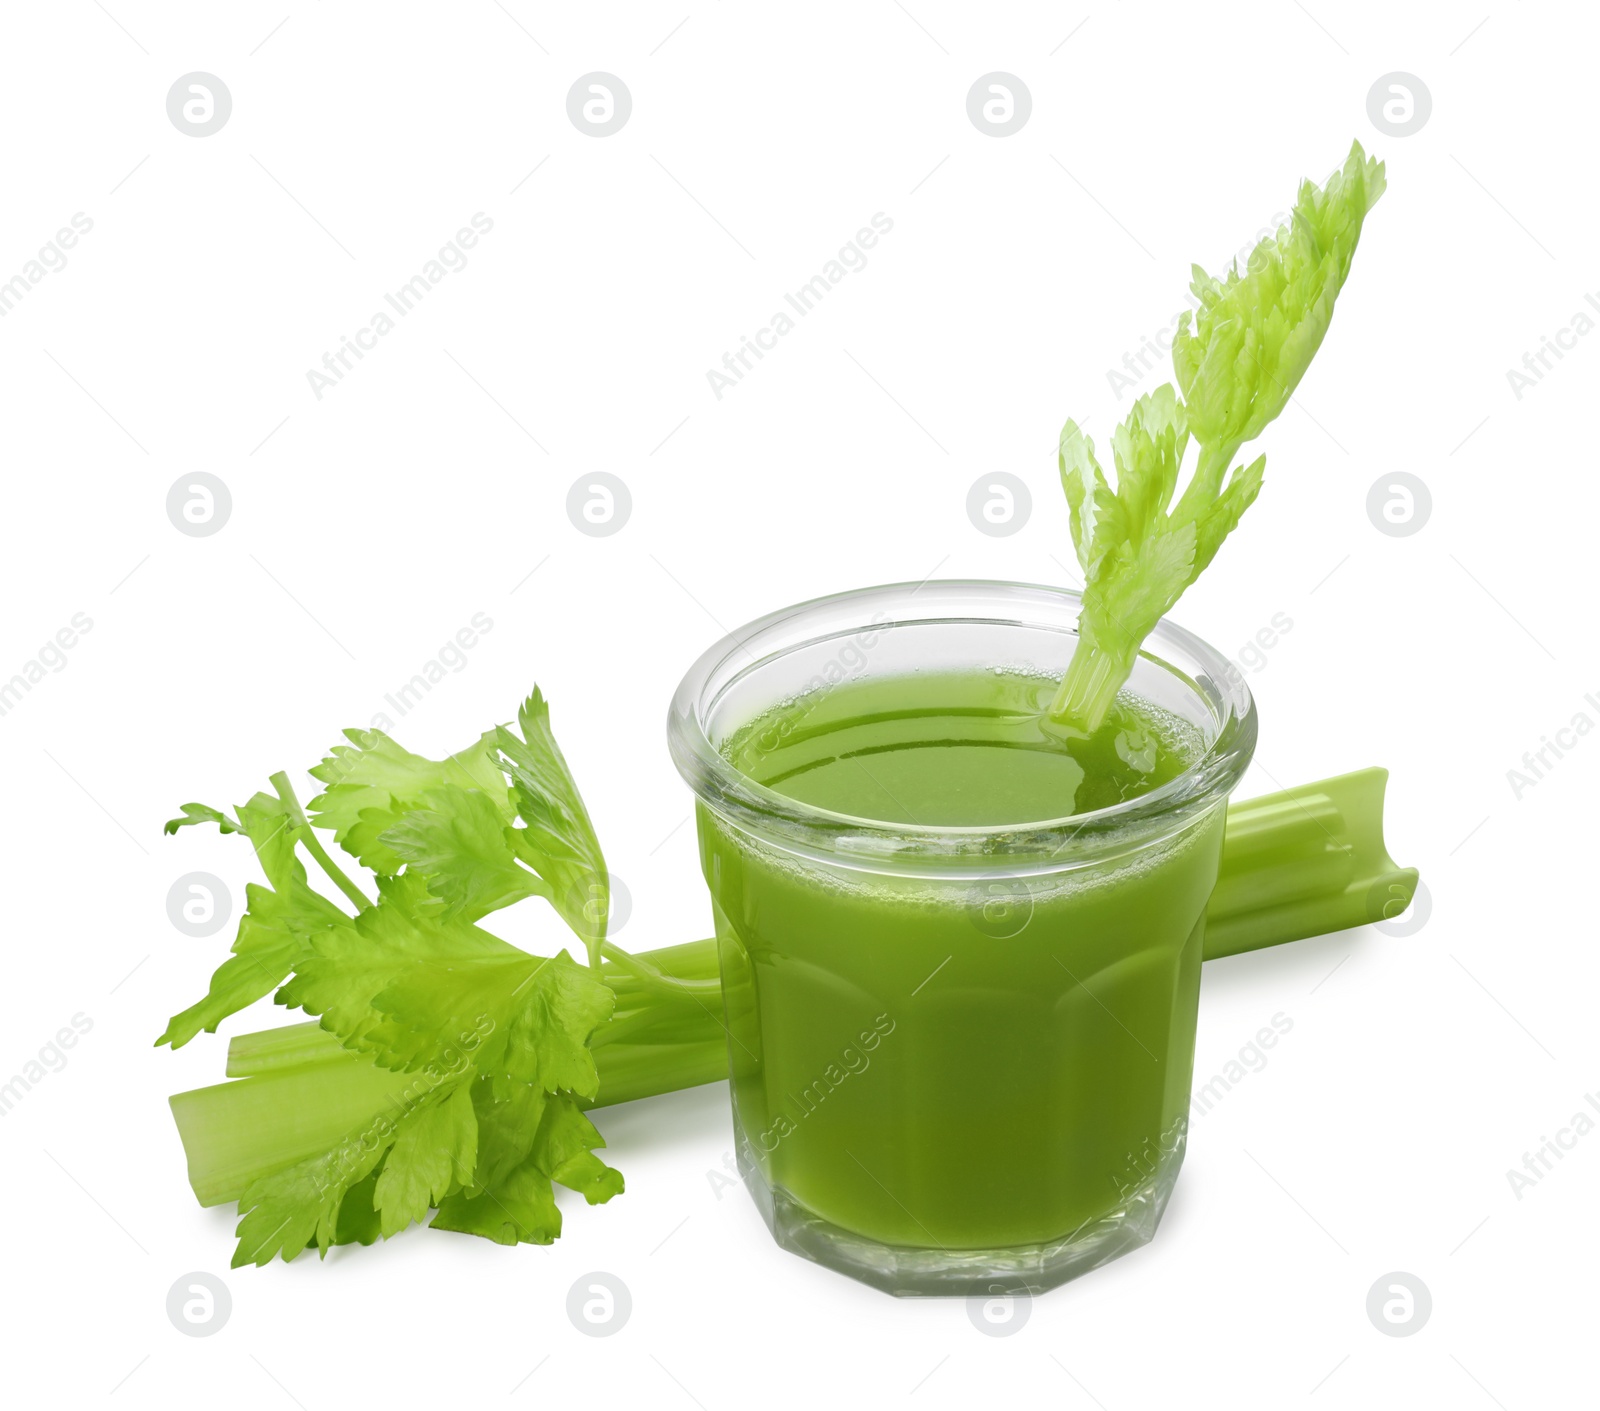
(1139, 747)
(1136, 747)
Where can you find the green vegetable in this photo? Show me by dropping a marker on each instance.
(340, 1132)
(1237, 362)
(473, 1059)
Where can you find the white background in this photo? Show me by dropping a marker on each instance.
(369, 526)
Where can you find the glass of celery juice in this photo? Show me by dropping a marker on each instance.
(960, 946)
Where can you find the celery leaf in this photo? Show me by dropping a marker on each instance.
(1240, 357)
(200, 813)
(558, 841)
(419, 992)
(515, 1201)
(373, 782)
(433, 1154)
(275, 932)
(458, 841)
(425, 1151)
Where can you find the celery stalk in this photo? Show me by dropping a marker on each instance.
(1305, 862)
(297, 1090)
(1299, 863)
(1237, 357)
(236, 1131)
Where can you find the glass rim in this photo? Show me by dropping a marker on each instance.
(873, 843)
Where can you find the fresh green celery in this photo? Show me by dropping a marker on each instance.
(1305, 862)
(297, 1090)
(1237, 359)
(235, 1132)
(1299, 863)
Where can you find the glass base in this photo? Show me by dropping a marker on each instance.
(909, 1271)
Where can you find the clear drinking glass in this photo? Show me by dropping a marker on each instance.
(960, 1057)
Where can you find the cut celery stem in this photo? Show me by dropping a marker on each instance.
(297, 1091)
(1093, 678)
(1095, 674)
(1298, 863)
(1305, 862)
(235, 1132)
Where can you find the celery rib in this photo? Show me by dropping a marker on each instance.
(1299, 863)
(1305, 862)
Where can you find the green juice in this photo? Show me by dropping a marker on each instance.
(950, 1061)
